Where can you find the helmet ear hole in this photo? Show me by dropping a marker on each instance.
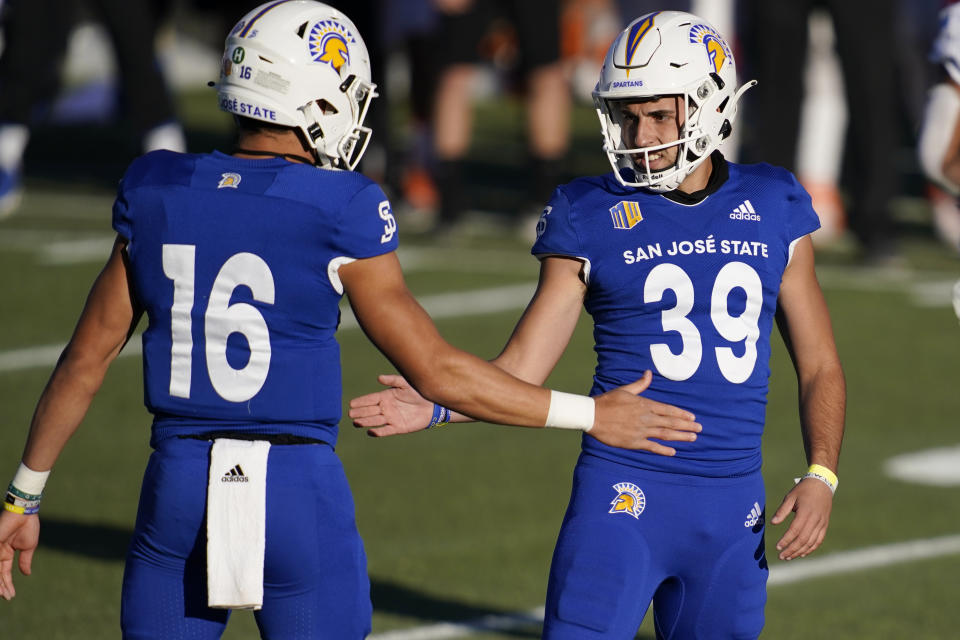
(326, 107)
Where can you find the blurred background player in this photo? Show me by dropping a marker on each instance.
(684, 261)
(35, 37)
(240, 262)
(535, 27)
(775, 37)
(939, 141)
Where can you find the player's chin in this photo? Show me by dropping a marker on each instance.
(654, 166)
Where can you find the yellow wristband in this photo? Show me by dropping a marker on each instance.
(823, 474)
(826, 473)
(12, 508)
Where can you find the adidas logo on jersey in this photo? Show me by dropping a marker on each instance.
(235, 475)
(744, 212)
(755, 516)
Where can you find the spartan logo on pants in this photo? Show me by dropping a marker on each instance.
(630, 499)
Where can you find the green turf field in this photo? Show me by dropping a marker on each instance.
(459, 523)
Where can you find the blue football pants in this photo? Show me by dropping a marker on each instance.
(692, 545)
(315, 574)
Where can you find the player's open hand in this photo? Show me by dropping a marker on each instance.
(811, 500)
(17, 533)
(625, 419)
(399, 409)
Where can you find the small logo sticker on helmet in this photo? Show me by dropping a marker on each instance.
(229, 180)
(630, 499)
(328, 43)
(717, 50)
(238, 55)
(626, 214)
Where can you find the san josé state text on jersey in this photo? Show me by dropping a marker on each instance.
(230, 259)
(688, 291)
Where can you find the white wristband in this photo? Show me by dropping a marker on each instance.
(570, 411)
(29, 481)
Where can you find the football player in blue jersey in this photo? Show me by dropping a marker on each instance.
(684, 261)
(239, 262)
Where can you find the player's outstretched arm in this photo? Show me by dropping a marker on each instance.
(400, 409)
(401, 329)
(804, 322)
(531, 353)
(107, 320)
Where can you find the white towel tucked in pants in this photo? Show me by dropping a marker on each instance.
(236, 520)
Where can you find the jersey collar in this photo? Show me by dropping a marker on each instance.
(718, 176)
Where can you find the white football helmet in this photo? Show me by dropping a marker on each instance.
(302, 64)
(668, 53)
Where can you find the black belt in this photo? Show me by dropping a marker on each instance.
(272, 438)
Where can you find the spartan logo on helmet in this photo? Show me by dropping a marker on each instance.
(328, 43)
(718, 51)
(629, 500)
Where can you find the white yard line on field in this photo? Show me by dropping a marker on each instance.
(466, 303)
(65, 248)
(925, 288)
(796, 571)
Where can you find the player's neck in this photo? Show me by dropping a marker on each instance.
(284, 144)
(698, 180)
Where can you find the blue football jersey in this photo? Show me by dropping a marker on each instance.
(689, 292)
(234, 261)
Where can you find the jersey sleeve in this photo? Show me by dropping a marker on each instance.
(367, 226)
(556, 234)
(123, 222)
(803, 219)
(121, 213)
(946, 46)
